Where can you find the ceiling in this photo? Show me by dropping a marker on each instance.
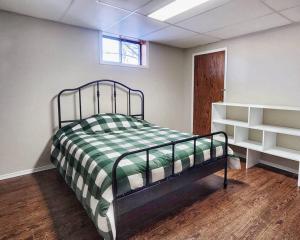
(210, 22)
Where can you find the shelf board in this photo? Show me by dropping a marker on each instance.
(230, 104)
(231, 122)
(284, 153)
(253, 145)
(274, 107)
(222, 139)
(277, 129)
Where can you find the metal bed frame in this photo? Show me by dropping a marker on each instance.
(123, 203)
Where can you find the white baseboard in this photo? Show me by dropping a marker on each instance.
(25, 172)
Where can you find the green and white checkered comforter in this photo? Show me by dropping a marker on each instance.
(85, 152)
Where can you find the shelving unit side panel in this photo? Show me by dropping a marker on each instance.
(255, 116)
(269, 140)
(252, 158)
(241, 134)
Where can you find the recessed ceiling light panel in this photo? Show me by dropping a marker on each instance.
(175, 8)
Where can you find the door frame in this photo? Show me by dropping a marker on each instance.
(193, 78)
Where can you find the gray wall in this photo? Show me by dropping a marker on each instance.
(39, 58)
(263, 68)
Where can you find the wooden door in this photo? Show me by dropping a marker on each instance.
(208, 88)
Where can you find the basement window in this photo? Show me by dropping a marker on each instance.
(122, 51)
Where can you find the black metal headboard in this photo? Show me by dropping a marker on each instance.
(97, 83)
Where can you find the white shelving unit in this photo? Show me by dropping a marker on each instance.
(265, 140)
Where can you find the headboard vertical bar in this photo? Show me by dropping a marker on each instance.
(98, 96)
(143, 107)
(80, 111)
(129, 101)
(115, 98)
(59, 111)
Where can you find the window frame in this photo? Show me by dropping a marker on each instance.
(143, 54)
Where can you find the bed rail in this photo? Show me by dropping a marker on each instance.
(115, 85)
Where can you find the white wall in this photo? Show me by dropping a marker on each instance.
(39, 58)
(263, 68)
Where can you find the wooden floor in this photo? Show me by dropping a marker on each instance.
(258, 204)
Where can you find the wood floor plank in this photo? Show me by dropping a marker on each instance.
(258, 204)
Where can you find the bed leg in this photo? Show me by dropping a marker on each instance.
(225, 175)
(116, 216)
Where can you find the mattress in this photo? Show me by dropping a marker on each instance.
(84, 153)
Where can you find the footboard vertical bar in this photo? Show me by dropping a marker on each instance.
(173, 158)
(115, 98)
(80, 112)
(129, 102)
(147, 168)
(194, 152)
(98, 96)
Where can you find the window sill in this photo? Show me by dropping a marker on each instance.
(124, 65)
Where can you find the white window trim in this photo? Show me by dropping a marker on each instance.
(102, 62)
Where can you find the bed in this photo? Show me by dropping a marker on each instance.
(116, 162)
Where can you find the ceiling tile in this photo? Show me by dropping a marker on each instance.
(90, 14)
(168, 34)
(292, 13)
(194, 41)
(131, 5)
(46, 9)
(282, 4)
(156, 4)
(258, 24)
(234, 12)
(136, 26)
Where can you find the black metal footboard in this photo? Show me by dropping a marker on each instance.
(138, 197)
